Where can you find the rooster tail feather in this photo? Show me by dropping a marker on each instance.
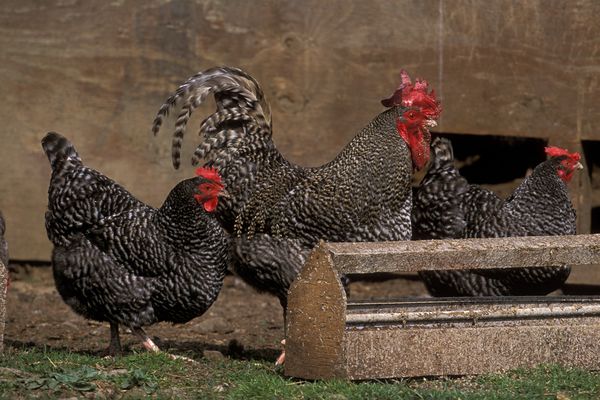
(443, 153)
(239, 99)
(59, 150)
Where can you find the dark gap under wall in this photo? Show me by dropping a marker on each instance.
(495, 159)
(595, 220)
(591, 149)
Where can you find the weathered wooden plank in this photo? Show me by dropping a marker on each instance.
(466, 253)
(486, 45)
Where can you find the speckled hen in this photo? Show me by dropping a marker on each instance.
(446, 206)
(119, 260)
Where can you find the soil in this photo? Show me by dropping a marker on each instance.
(242, 323)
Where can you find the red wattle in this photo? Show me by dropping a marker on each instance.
(211, 205)
(419, 149)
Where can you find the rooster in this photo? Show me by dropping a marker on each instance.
(119, 260)
(363, 194)
(540, 206)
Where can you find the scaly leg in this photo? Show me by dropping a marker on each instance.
(114, 348)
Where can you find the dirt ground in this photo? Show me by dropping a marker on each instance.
(242, 323)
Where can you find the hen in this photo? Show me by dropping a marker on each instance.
(446, 206)
(119, 260)
(364, 194)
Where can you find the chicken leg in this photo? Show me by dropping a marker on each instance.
(281, 359)
(114, 348)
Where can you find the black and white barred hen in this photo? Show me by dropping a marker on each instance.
(363, 194)
(119, 260)
(540, 206)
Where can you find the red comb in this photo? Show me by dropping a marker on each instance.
(414, 95)
(553, 151)
(209, 173)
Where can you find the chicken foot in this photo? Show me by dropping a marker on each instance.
(152, 347)
(146, 341)
(281, 359)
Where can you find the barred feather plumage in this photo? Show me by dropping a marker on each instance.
(437, 211)
(271, 263)
(119, 260)
(233, 114)
(239, 92)
(447, 207)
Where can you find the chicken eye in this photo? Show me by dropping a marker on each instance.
(205, 188)
(411, 115)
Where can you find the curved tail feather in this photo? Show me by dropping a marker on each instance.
(238, 97)
(59, 150)
(437, 211)
(443, 154)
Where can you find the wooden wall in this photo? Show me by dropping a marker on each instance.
(98, 71)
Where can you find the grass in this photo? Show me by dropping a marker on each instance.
(33, 373)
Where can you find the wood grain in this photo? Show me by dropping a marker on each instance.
(98, 71)
(510, 252)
